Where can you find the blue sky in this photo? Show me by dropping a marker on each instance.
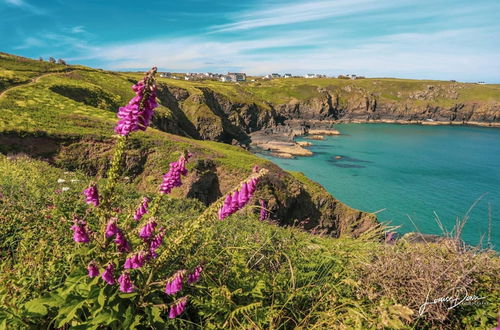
(435, 39)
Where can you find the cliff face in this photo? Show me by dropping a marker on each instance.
(213, 116)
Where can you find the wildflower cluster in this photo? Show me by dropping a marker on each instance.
(137, 114)
(238, 199)
(172, 178)
(128, 253)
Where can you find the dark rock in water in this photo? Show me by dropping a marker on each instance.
(343, 158)
(203, 183)
(348, 165)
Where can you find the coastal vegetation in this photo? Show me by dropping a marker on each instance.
(57, 140)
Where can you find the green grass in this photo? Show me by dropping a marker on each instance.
(256, 275)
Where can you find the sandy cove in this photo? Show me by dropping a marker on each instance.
(280, 142)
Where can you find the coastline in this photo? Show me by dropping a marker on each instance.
(280, 141)
(420, 122)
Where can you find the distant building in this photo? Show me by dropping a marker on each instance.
(165, 74)
(287, 75)
(237, 76)
(225, 78)
(350, 76)
(313, 75)
(272, 76)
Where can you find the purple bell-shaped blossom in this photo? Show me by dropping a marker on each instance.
(80, 231)
(135, 261)
(235, 201)
(243, 196)
(172, 178)
(137, 114)
(195, 275)
(92, 269)
(263, 212)
(121, 242)
(238, 199)
(125, 283)
(147, 230)
(174, 285)
(178, 308)
(155, 243)
(143, 209)
(92, 195)
(108, 274)
(111, 228)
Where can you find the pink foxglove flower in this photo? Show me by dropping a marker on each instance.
(125, 283)
(147, 230)
(111, 228)
(243, 196)
(80, 231)
(121, 242)
(135, 261)
(238, 199)
(178, 308)
(92, 195)
(195, 275)
(174, 285)
(155, 243)
(172, 178)
(263, 212)
(108, 274)
(143, 209)
(234, 202)
(137, 114)
(92, 269)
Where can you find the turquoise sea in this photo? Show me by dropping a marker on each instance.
(410, 172)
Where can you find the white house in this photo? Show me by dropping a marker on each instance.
(237, 76)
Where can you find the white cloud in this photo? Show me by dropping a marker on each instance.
(77, 29)
(439, 55)
(26, 6)
(302, 12)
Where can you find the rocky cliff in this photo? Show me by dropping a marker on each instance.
(212, 115)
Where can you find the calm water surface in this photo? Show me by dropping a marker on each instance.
(412, 171)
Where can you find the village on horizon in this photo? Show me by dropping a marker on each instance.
(241, 76)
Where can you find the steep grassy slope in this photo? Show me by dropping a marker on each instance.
(256, 275)
(68, 117)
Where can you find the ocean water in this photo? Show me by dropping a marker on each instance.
(411, 173)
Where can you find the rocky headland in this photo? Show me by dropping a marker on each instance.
(270, 125)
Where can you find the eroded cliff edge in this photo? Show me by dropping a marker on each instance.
(211, 114)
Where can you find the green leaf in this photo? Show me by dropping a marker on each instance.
(102, 298)
(128, 295)
(68, 313)
(128, 317)
(36, 306)
(156, 312)
(102, 318)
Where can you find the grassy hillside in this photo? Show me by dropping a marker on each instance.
(56, 138)
(256, 275)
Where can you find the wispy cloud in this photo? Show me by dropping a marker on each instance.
(415, 55)
(305, 11)
(78, 29)
(26, 6)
